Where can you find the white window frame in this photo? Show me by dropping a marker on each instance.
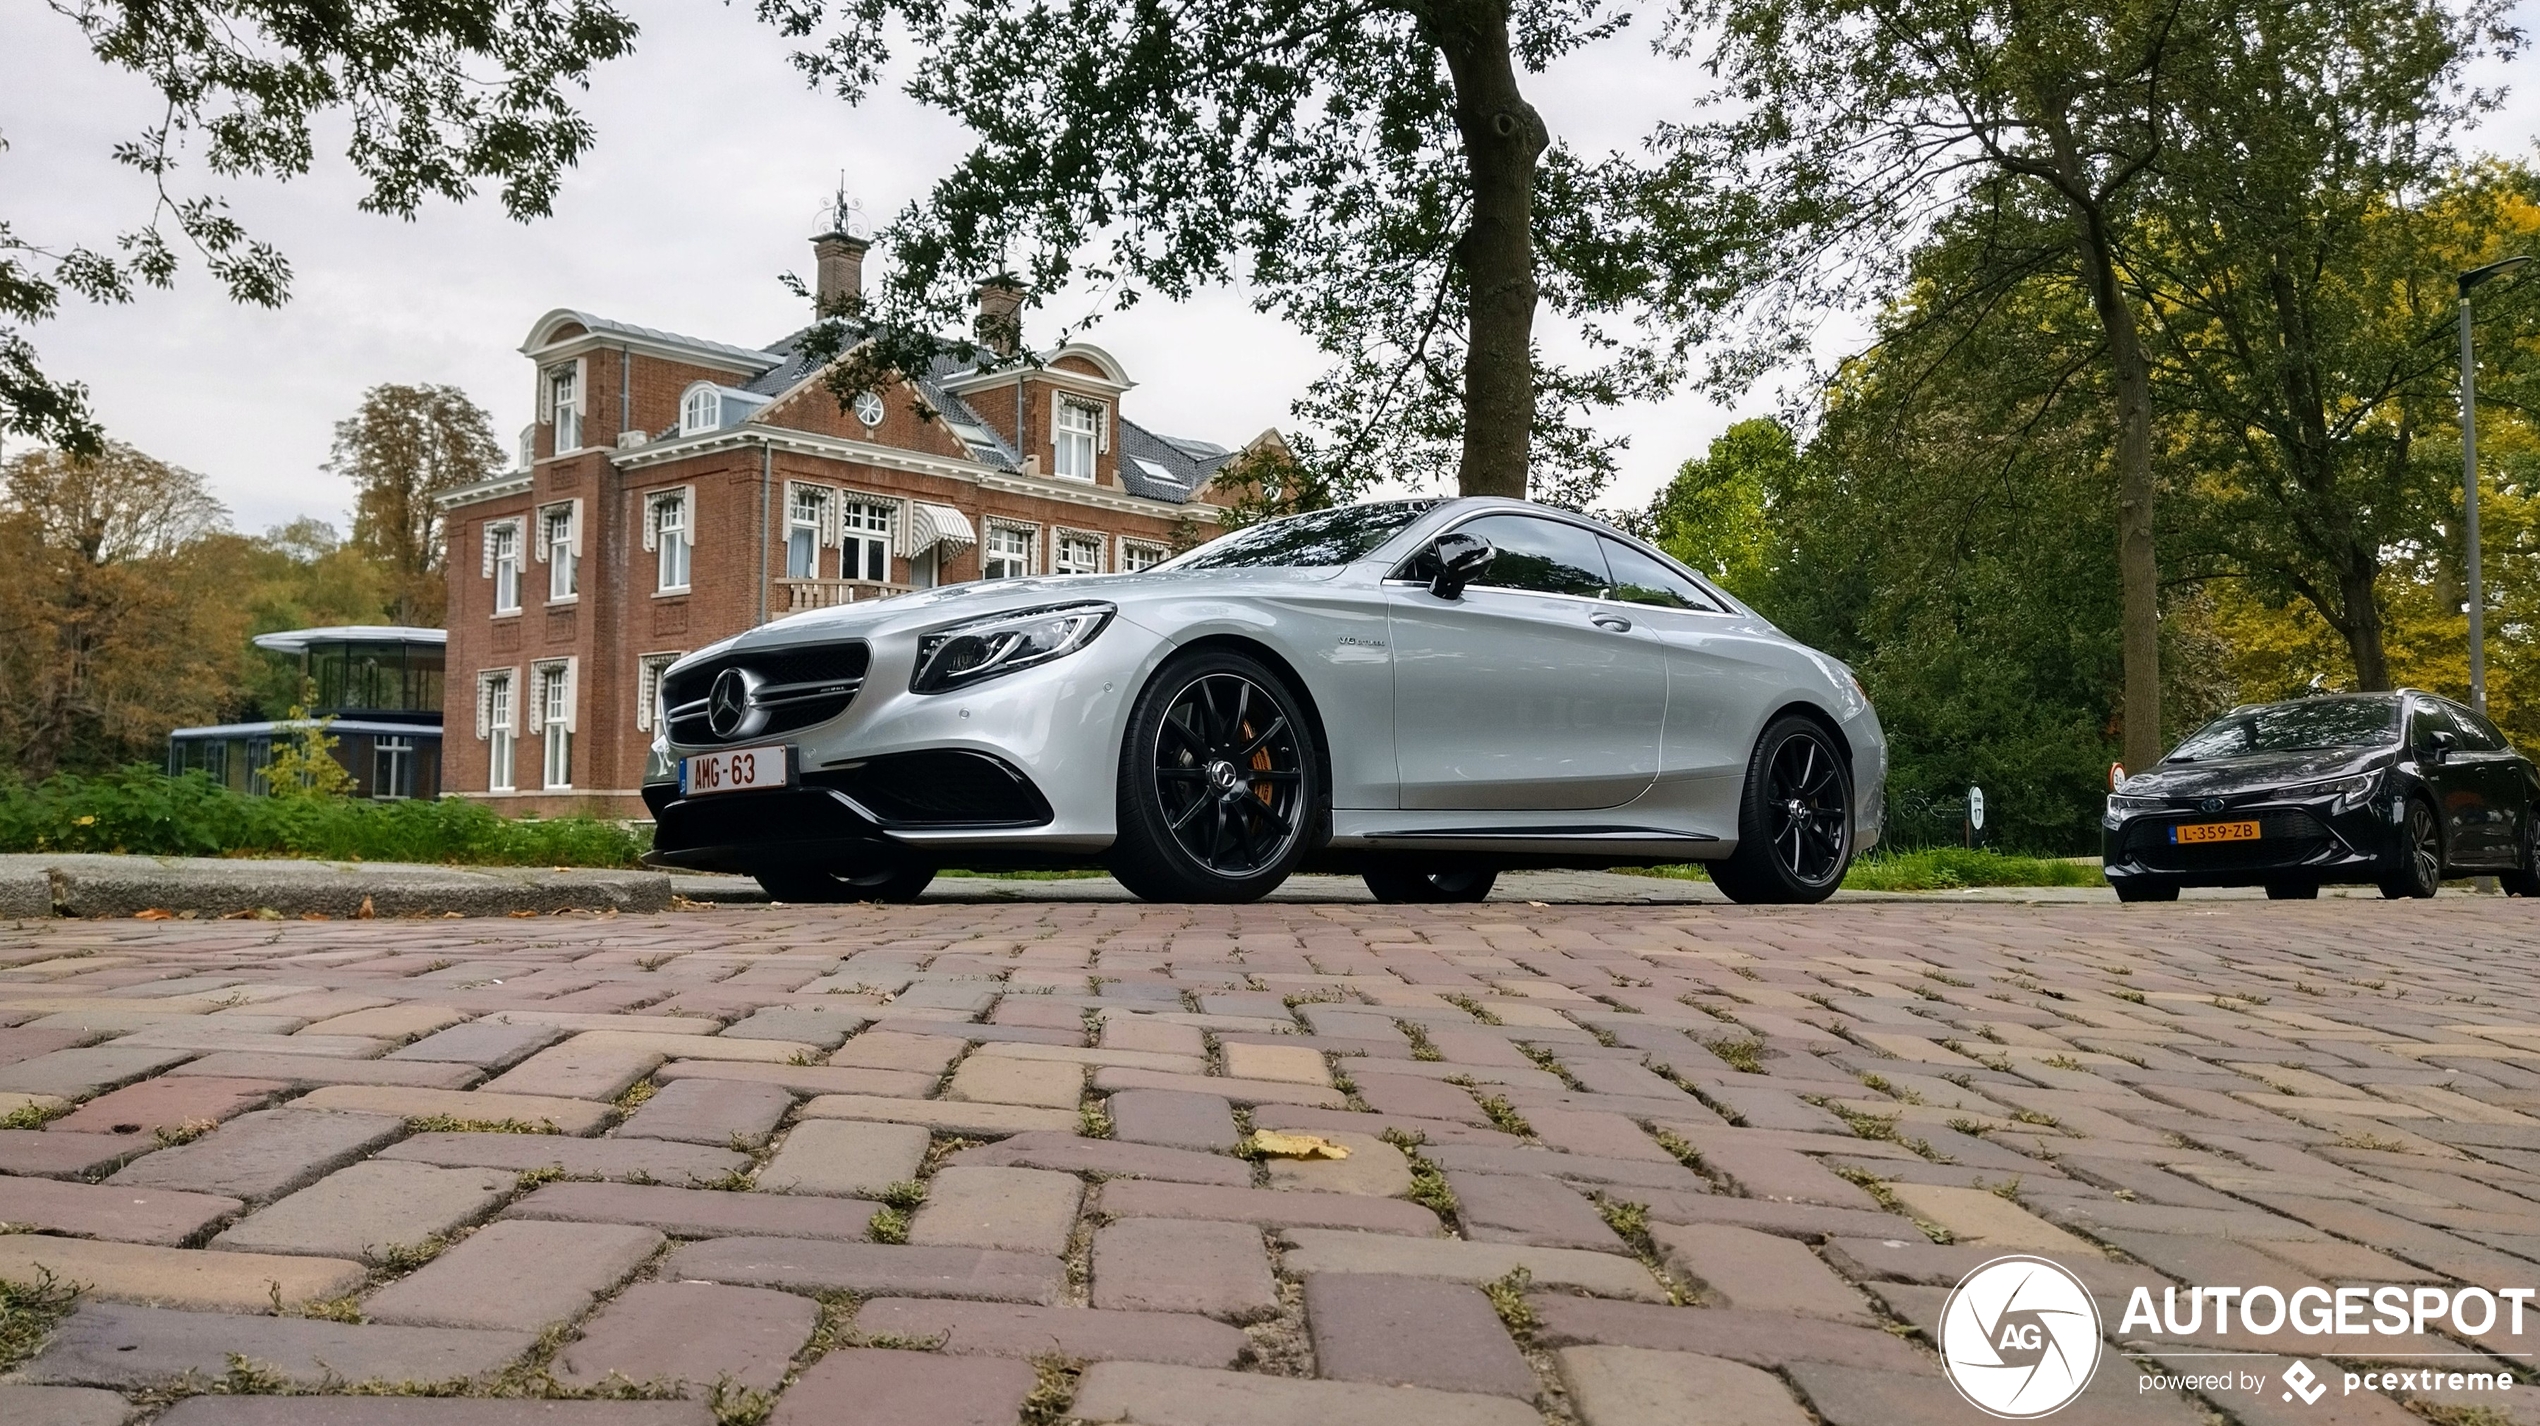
(1131, 551)
(670, 523)
(553, 681)
(1076, 432)
(498, 723)
(700, 408)
(503, 542)
(559, 548)
(864, 546)
(811, 513)
(562, 395)
(1087, 540)
(648, 671)
(1024, 538)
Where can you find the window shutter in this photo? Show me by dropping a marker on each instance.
(830, 506)
(647, 678)
(572, 693)
(1102, 428)
(1058, 412)
(487, 532)
(688, 516)
(573, 525)
(652, 519)
(484, 704)
(535, 534)
(582, 397)
(546, 395)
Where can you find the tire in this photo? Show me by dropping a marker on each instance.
(1794, 820)
(2135, 888)
(1400, 883)
(2293, 891)
(812, 886)
(2420, 872)
(1218, 783)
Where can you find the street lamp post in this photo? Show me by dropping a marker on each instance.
(2469, 481)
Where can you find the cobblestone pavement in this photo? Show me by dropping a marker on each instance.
(1000, 1162)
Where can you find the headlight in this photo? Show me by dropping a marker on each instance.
(2350, 792)
(2120, 802)
(963, 654)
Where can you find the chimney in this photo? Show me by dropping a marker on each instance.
(1000, 324)
(841, 257)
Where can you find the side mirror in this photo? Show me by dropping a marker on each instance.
(2439, 745)
(1461, 560)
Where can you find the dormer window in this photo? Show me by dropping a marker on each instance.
(564, 405)
(1074, 436)
(700, 410)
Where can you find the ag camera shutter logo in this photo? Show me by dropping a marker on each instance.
(2019, 1338)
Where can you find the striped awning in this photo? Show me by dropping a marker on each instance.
(932, 525)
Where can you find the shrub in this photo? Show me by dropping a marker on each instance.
(141, 810)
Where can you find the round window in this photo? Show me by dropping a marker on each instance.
(868, 408)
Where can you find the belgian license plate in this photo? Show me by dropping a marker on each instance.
(733, 770)
(2195, 832)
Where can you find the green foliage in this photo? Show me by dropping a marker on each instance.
(143, 811)
(429, 101)
(1949, 868)
(304, 763)
(1374, 172)
(1716, 515)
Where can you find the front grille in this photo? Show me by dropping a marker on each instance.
(798, 687)
(2286, 835)
(946, 788)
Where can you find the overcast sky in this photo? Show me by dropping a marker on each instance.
(712, 170)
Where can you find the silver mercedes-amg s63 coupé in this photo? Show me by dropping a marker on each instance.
(1423, 692)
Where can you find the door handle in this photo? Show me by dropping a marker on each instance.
(1615, 622)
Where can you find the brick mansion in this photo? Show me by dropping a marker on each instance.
(675, 491)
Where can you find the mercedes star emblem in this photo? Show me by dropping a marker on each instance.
(728, 703)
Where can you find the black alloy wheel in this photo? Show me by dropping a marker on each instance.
(2293, 891)
(1217, 784)
(2420, 872)
(2136, 888)
(813, 886)
(1397, 883)
(1795, 822)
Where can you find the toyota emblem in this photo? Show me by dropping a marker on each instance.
(728, 710)
(2210, 804)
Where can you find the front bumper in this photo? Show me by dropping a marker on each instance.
(2308, 839)
(1021, 770)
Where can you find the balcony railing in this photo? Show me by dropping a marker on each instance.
(801, 594)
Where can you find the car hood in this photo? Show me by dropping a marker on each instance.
(2225, 776)
(928, 608)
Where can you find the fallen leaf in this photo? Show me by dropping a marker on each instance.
(523, 915)
(1538, 903)
(154, 914)
(1296, 1146)
(366, 913)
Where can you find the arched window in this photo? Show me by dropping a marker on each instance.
(700, 410)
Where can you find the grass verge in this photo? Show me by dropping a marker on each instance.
(1932, 869)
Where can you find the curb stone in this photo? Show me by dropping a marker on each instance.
(92, 884)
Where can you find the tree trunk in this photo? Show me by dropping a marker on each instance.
(2138, 569)
(1503, 138)
(2357, 581)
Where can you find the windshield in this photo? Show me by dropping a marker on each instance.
(2293, 728)
(1318, 537)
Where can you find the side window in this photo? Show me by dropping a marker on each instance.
(1541, 556)
(2427, 719)
(2477, 734)
(1638, 579)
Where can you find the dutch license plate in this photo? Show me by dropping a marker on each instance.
(2195, 832)
(734, 770)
